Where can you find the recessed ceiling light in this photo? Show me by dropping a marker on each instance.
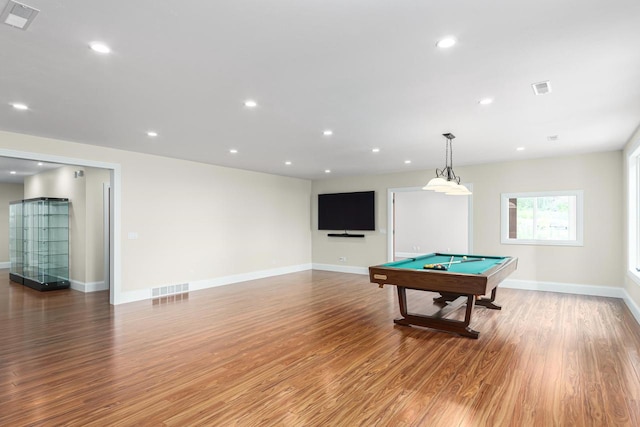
(100, 47)
(375, 150)
(12, 172)
(327, 132)
(287, 163)
(40, 163)
(250, 103)
(520, 149)
(19, 106)
(485, 101)
(446, 42)
(233, 151)
(406, 162)
(327, 171)
(152, 133)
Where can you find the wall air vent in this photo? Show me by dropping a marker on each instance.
(18, 15)
(164, 291)
(542, 88)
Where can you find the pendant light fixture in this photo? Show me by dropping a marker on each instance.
(446, 180)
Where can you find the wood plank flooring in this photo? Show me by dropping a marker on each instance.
(312, 349)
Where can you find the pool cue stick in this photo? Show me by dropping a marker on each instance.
(454, 262)
(450, 261)
(468, 260)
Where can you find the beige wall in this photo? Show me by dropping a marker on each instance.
(195, 221)
(599, 262)
(61, 183)
(8, 193)
(198, 222)
(94, 179)
(86, 263)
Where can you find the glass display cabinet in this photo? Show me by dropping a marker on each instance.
(15, 241)
(39, 243)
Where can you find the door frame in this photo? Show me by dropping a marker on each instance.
(115, 182)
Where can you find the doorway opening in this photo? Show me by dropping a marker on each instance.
(112, 280)
(422, 222)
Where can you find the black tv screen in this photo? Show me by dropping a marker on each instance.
(347, 211)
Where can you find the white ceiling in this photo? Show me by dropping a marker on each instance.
(368, 70)
(22, 169)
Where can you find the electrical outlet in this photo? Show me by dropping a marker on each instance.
(342, 259)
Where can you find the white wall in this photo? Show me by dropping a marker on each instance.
(61, 183)
(599, 262)
(94, 179)
(198, 222)
(195, 222)
(426, 221)
(8, 193)
(86, 260)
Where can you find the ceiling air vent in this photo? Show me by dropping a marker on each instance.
(18, 15)
(542, 88)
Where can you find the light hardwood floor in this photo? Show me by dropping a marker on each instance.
(312, 349)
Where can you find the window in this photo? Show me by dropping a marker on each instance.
(545, 218)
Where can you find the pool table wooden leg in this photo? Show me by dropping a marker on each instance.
(402, 300)
(438, 320)
(489, 302)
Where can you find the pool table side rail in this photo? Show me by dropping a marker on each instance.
(499, 272)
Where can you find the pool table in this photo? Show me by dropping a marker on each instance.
(464, 279)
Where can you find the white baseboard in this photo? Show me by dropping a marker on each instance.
(5, 264)
(88, 287)
(565, 288)
(633, 307)
(236, 278)
(341, 268)
(144, 294)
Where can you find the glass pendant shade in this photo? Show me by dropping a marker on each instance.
(437, 184)
(458, 190)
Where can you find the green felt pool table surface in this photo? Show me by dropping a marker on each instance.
(459, 266)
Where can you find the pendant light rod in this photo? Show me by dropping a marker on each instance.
(447, 171)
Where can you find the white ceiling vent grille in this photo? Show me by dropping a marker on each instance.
(18, 15)
(541, 88)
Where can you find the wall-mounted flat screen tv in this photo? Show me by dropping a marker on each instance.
(347, 211)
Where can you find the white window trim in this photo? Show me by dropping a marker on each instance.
(504, 219)
(633, 212)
